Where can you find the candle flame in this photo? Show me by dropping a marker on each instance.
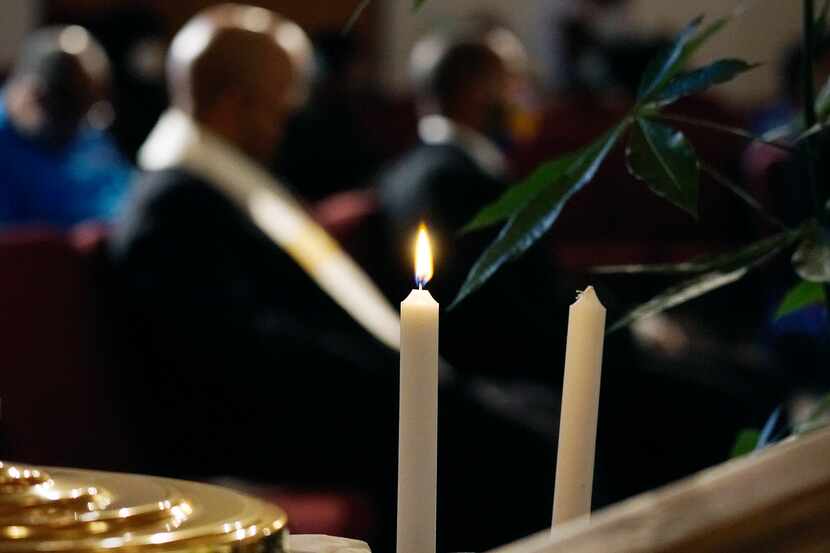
(423, 257)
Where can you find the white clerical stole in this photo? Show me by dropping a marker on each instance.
(178, 141)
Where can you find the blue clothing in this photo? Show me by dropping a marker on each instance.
(84, 180)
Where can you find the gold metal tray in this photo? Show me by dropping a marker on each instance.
(71, 510)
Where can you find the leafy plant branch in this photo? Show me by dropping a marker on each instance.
(659, 155)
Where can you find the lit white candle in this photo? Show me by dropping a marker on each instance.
(418, 430)
(580, 404)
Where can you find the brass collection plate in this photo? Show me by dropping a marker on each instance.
(72, 510)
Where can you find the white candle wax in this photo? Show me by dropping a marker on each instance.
(418, 430)
(580, 404)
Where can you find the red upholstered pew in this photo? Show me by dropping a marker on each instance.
(56, 383)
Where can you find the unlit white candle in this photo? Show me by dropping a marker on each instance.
(580, 405)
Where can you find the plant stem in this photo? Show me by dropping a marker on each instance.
(711, 125)
(724, 181)
(809, 97)
(810, 120)
(347, 28)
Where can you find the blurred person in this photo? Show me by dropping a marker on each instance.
(256, 368)
(58, 167)
(462, 97)
(459, 166)
(201, 266)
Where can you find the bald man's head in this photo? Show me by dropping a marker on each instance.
(62, 72)
(240, 71)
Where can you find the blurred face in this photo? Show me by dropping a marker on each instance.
(52, 112)
(265, 108)
(497, 104)
(64, 109)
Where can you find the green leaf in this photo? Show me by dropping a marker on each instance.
(671, 61)
(417, 3)
(534, 219)
(692, 82)
(667, 63)
(812, 258)
(663, 158)
(803, 294)
(745, 443)
(676, 295)
(732, 269)
(700, 39)
(706, 263)
(519, 195)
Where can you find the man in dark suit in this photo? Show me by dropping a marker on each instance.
(232, 327)
(254, 358)
(464, 97)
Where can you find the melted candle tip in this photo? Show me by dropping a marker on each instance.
(589, 295)
(588, 290)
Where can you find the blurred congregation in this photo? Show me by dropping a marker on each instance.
(206, 211)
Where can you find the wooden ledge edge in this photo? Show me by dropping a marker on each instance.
(777, 499)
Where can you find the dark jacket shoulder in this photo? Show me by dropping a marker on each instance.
(172, 201)
(440, 184)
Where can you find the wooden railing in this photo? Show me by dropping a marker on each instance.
(777, 500)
